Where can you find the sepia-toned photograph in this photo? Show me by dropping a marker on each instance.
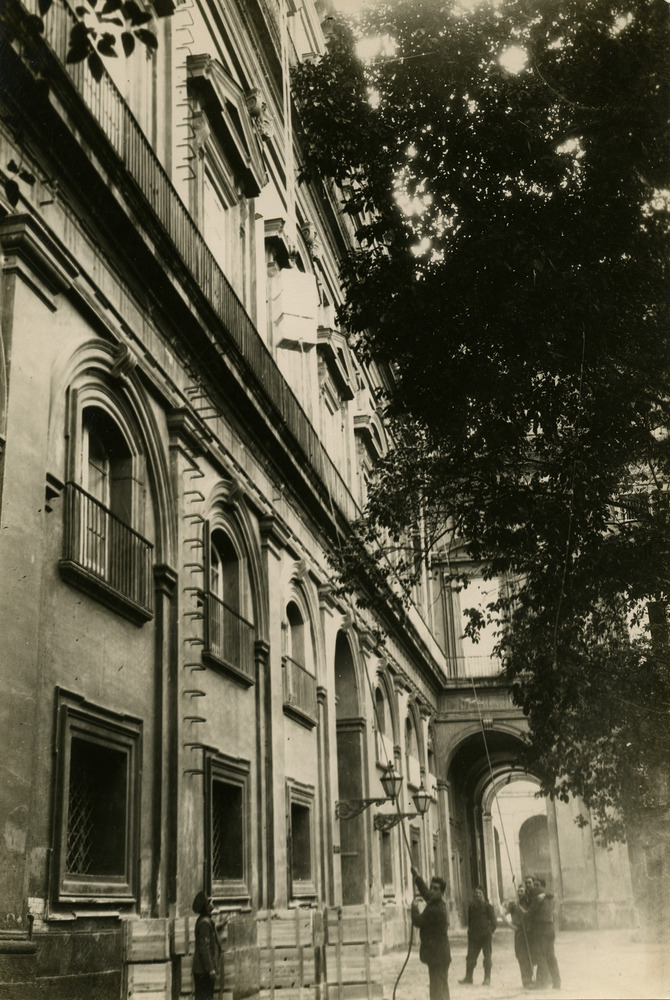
(335, 499)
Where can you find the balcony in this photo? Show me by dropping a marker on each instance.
(144, 173)
(229, 640)
(299, 692)
(476, 666)
(106, 558)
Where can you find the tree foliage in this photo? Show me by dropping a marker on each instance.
(511, 267)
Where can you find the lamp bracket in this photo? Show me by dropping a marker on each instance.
(386, 821)
(348, 808)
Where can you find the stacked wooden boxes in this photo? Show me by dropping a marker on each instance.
(290, 948)
(147, 954)
(353, 953)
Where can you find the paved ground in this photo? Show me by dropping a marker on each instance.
(594, 965)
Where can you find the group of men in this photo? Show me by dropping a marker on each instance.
(531, 915)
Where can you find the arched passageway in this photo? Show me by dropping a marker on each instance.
(500, 830)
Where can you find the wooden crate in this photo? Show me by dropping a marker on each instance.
(282, 968)
(285, 928)
(353, 953)
(352, 924)
(149, 980)
(147, 940)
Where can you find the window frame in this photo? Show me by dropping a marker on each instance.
(76, 717)
(217, 532)
(299, 794)
(235, 772)
(94, 581)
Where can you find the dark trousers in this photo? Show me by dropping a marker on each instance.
(547, 965)
(438, 977)
(475, 945)
(523, 956)
(204, 986)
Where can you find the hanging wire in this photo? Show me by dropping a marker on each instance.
(502, 825)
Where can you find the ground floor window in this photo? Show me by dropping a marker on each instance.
(301, 840)
(386, 855)
(227, 827)
(97, 809)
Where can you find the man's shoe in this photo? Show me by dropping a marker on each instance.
(487, 981)
(465, 981)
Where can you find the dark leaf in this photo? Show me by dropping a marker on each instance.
(135, 14)
(35, 24)
(44, 6)
(12, 167)
(26, 176)
(77, 54)
(128, 42)
(110, 6)
(147, 37)
(12, 192)
(107, 45)
(96, 67)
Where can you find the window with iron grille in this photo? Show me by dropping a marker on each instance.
(97, 812)
(227, 827)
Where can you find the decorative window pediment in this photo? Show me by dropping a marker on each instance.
(234, 119)
(332, 348)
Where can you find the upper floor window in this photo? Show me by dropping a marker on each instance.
(299, 679)
(229, 633)
(103, 551)
(380, 711)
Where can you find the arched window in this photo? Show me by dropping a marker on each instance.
(229, 633)
(380, 711)
(296, 634)
(298, 668)
(103, 550)
(412, 753)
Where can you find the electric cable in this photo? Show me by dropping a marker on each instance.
(502, 825)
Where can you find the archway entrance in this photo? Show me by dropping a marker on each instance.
(479, 848)
(500, 831)
(350, 760)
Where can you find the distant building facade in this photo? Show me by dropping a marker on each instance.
(185, 437)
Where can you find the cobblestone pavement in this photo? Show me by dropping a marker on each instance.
(594, 965)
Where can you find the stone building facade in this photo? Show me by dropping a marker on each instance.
(185, 437)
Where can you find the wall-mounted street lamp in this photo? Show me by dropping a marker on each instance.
(422, 802)
(391, 783)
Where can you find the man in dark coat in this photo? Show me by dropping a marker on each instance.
(207, 949)
(540, 908)
(522, 947)
(433, 923)
(481, 926)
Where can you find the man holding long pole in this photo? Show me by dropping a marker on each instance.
(433, 926)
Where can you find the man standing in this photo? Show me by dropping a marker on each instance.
(517, 914)
(433, 923)
(541, 913)
(481, 926)
(207, 949)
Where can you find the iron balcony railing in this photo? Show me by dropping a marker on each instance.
(228, 636)
(107, 549)
(476, 666)
(299, 688)
(126, 137)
